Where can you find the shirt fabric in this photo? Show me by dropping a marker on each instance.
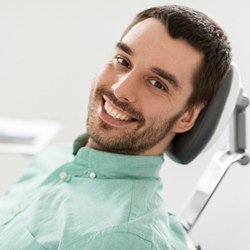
(93, 201)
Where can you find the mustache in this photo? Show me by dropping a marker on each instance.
(123, 105)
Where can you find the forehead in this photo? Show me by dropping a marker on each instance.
(152, 46)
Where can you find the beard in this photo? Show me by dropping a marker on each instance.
(133, 139)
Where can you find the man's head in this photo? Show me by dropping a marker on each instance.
(203, 34)
(164, 70)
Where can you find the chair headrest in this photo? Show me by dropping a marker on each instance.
(211, 122)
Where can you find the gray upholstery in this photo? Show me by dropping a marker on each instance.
(186, 146)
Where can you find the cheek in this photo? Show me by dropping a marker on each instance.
(153, 110)
(159, 111)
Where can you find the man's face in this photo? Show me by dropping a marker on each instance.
(138, 101)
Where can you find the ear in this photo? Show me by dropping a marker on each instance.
(187, 119)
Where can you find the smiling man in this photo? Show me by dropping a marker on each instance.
(165, 69)
(139, 101)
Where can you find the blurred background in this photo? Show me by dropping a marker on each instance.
(50, 51)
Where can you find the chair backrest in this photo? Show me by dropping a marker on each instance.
(229, 102)
(211, 122)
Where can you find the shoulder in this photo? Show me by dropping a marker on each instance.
(163, 234)
(162, 229)
(108, 240)
(121, 240)
(56, 155)
(49, 159)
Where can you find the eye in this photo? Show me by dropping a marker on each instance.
(122, 61)
(157, 84)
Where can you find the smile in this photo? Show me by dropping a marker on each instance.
(115, 113)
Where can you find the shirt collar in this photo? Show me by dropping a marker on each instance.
(112, 165)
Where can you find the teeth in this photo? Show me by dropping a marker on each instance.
(115, 113)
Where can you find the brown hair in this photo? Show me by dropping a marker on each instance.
(203, 34)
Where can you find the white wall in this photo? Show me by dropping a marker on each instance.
(50, 51)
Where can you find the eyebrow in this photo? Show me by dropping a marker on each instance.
(125, 48)
(167, 76)
(160, 72)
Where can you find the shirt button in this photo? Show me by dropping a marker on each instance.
(92, 175)
(63, 175)
(16, 209)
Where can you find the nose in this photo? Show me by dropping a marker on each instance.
(126, 87)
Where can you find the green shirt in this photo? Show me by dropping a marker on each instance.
(93, 201)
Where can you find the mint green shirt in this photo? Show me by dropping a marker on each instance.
(93, 201)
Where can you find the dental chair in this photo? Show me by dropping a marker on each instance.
(227, 106)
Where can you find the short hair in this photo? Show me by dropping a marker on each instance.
(203, 34)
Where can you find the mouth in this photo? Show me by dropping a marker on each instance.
(114, 115)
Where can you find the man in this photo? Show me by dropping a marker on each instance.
(165, 69)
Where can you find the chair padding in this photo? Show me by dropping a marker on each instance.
(186, 146)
